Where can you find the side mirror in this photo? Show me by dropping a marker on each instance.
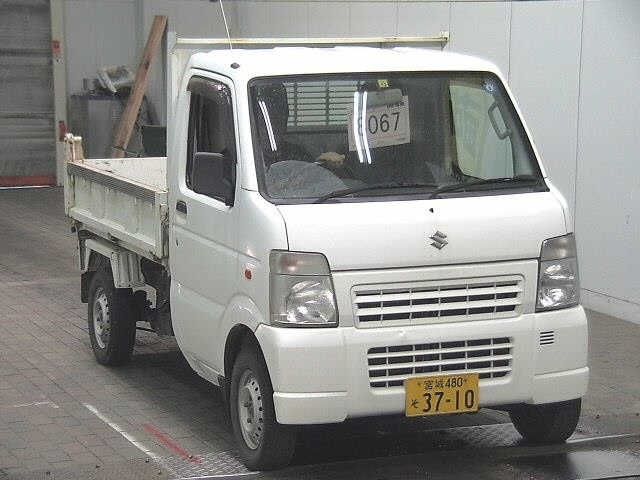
(211, 176)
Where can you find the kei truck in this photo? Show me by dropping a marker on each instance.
(336, 233)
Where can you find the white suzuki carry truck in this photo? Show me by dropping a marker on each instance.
(339, 233)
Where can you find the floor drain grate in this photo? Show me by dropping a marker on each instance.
(207, 464)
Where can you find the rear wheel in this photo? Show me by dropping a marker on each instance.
(111, 319)
(547, 423)
(263, 443)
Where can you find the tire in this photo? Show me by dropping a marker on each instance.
(270, 445)
(548, 423)
(111, 319)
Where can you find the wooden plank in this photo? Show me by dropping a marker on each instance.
(128, 120)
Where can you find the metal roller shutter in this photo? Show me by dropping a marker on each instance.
(27, 147)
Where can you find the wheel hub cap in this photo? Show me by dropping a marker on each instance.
(250, 410)
(101, 321)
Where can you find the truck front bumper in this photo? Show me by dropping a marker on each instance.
(322, 375)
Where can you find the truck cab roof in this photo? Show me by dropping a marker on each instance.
(252, 63)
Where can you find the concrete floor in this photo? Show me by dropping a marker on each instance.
(64, 416)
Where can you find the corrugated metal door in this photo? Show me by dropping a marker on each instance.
(27, 146)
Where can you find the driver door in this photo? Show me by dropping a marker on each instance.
(204, 255)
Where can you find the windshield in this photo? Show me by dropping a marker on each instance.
(355, 136)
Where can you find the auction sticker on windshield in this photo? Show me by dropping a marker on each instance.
(441, 394)
(379, 125)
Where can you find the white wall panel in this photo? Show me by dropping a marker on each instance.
(272, 19)
(423, 19)
(369, 19)
(545, 70)
(198, 18)
(482, 29)
(608, 186)
(328, 19)
(98, 34)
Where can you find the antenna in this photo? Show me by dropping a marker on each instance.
(226, 26)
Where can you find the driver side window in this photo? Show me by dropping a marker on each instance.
(211, 147)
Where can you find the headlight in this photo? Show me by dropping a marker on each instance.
(301, 290)
(558, 279)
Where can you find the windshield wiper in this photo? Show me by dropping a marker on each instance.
(518, 179)
(350, 191)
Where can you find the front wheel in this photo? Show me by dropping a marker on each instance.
(263, 443)
(111, 321)
(548, 423)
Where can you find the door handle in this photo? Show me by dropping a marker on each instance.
(181, 206)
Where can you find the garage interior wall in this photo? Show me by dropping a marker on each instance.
(572, 64)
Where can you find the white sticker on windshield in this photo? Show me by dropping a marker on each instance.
(384, 122)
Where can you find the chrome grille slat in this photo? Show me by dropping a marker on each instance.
(452, 361)
(376, 297)
(436, 307)
(437, 301)
(448, 372)
(433, 352)
(389, 366)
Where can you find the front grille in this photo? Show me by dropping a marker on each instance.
(429, 302)
(390, 366)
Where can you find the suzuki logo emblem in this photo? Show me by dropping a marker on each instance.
(438, 240)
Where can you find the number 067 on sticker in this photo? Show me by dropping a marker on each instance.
(376, 125)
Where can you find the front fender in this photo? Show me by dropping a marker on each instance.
(242, 310)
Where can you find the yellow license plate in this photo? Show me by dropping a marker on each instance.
(441, 394)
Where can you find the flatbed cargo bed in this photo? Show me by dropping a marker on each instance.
(123, 200)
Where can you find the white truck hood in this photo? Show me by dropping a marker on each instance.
(370, 235)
